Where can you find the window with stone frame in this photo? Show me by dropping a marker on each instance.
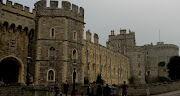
(74, 54)
(74, 35)
(148, 73)
(93, 67)
(139, 73)
(52, 32)
(52, 52)
(51, 75)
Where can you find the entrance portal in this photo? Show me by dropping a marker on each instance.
(9, 70)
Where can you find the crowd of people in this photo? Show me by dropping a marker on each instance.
(106, 91)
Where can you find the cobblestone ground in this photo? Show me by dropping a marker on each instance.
(174, 93)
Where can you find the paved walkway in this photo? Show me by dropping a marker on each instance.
(174, 93)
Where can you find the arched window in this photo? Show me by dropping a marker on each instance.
(148, 72)
(74, 54)
(31, 34)
(51, 75)
(52, 52)
(19, 28)
(26, 30)
(52, 32)
(5, 25)
(12, 27)
(75, 35)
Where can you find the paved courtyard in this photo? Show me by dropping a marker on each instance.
(174, 93)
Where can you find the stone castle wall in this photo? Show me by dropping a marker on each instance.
(154, 54)
(113, 66)
(136, 56)
(144, 59)
(17, 24)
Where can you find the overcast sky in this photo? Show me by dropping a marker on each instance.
(144, 17)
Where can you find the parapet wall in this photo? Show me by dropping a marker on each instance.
(67, 10)
(18, 9)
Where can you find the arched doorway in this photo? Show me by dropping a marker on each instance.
(10, 70)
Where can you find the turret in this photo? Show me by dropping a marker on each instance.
(88, 35)
(96, 39)
(75, 13)
(112, 32)
(122, 31)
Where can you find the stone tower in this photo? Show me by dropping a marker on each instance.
(125, 44)
(17, 26)
(154, 54)
(122, 40)
(59, 42)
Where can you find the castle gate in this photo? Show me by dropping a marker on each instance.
(11, 70)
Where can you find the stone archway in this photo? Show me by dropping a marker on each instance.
(11, 70)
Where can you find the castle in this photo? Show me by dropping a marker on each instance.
(53, 38)
(144, 60)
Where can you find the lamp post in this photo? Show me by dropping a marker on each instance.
(28, 73)
(74, 78)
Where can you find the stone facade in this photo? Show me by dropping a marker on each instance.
(113, 66)
(154, 54)
(144, 60)
(53, 38)
(125, 44)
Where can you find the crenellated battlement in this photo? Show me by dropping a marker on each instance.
(67, 10)
(18, 9)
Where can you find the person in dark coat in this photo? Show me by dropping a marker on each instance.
(99, 91)
(56, 88)
(66, 88)
(90, 90)
(124, 89)
(106, 90)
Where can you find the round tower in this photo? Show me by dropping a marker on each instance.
(59, 42)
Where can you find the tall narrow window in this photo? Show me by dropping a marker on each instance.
(52, 52)
(6, 26)
(74, 54)
(93, 67)
(19, 28)
(12, 27)
(51, 75)
(139, 73)
(52, 32)
(75, 35)
(148, 72)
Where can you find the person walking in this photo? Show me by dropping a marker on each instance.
(56, 88)
(90, 90)
(99, 91)
(106, 90)
(124, 89)
(66, 88)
